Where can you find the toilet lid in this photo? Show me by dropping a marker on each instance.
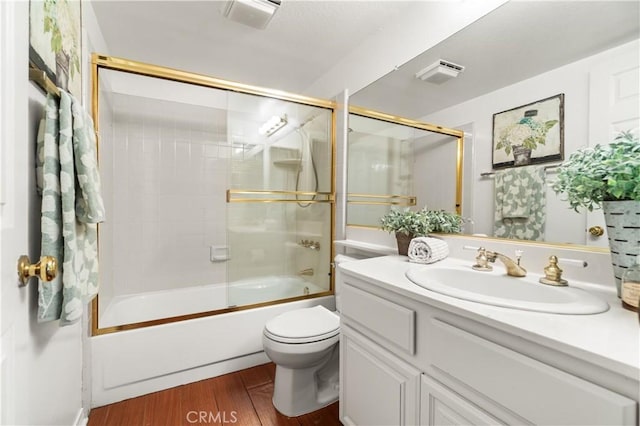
(304, 324)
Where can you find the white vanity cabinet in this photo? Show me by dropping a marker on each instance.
(379, 389)
(406, 362)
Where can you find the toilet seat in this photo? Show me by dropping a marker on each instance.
(303, 326)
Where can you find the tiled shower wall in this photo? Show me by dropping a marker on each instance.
(170, 169)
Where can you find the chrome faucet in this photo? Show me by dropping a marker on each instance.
(308, 272)
(513, 266)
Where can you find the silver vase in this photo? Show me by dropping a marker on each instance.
(623, 228)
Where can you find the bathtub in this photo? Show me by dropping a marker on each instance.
(135, 362)
(148, 306)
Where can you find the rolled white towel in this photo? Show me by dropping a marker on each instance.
(427, 250)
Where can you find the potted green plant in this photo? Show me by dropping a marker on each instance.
(523, 137)
(608, 176)
(408, 224)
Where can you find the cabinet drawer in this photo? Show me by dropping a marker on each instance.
(539, 393)
(391, 322)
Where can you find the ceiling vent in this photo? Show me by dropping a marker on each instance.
(254, 13)
(439, 72)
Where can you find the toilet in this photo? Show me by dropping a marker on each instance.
(303, 344)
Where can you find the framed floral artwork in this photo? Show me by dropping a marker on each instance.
(55, 42)
(529, 134)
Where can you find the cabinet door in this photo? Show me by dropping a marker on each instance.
(535, 391)
(440, 406)
(376, 387)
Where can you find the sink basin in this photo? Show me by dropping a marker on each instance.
(495, 288)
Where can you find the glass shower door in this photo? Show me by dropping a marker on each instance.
(280, 202)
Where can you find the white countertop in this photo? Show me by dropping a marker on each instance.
(610, 339)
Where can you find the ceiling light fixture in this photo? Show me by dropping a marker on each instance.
(439, 72)
(254, 13)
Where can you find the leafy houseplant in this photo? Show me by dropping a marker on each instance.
(602, 173)
(608, 176)
(407, 224)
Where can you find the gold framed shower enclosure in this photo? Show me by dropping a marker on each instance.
(248, 195)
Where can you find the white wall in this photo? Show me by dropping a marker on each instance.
(563, 224)
(42, 376)
(434, 158)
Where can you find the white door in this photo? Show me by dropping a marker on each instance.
(41, 364)
(614, 106)
(13, 229)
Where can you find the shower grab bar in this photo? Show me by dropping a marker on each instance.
(328, 196)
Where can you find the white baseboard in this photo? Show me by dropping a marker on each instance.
(81, 418)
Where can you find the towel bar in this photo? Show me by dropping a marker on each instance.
(46, 269)
(546, 168)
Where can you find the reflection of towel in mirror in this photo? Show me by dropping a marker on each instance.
(427, 250)
(520, 203)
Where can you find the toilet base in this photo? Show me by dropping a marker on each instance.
(313, 388)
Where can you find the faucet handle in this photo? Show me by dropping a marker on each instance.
(518, 256)
(482, 261)
(553, 273)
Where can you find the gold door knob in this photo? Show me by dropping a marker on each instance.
(46, 269)
(596, 231)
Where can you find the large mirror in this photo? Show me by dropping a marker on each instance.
(518, 54)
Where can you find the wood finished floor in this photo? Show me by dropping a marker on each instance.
(240, 398)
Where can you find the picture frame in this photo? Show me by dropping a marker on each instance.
(55, 42)
(529, 134)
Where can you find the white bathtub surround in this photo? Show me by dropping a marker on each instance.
(130, 309)
(136, 362)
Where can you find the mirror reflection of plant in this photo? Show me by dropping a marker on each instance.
(607, 172)
(528, 133)
(63, 34)
(422, 222)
